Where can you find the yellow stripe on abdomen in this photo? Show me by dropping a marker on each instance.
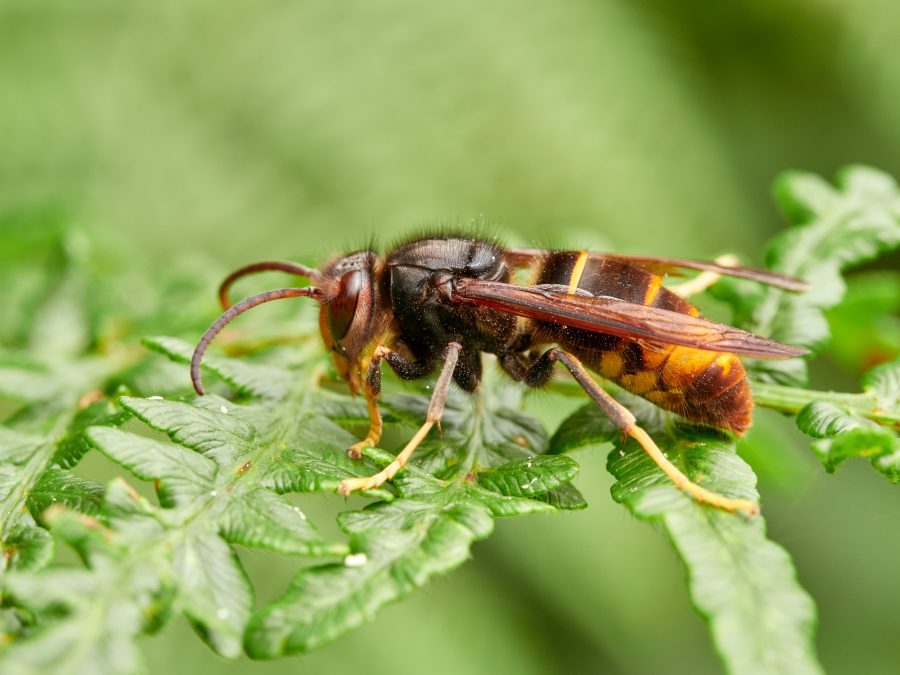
(577, 272)
(652, 290)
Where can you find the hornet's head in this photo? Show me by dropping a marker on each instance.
(346, 291)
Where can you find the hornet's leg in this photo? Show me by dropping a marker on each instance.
(705, 279)
(408, 370)
(435, 411)
(372, 392)
(540, 372)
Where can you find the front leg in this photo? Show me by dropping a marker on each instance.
(406, 369)
(372, 391)
(435, 412)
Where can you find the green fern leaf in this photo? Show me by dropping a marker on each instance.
(843, 432)
(833, 228)
(743, 584)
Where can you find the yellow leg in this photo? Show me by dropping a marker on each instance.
(684, 483)
(372, 392)
(622, 418)
(435, 411)
(705, 279)
(387, 473)
(375, 427)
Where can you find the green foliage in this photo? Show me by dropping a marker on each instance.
(73, 381)
(742, 584)
(398, 545)
(90, 618)
(220, 480)
(843, 432)
(832, 229)
(47, 376)
(865, 327)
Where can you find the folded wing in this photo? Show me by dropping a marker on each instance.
(603, 314)
(523, 257)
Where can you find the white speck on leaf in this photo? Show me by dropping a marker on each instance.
(154, 398)
(356, 560)
(222, 613)
(529, 484)
(212, 493)
(223, 410)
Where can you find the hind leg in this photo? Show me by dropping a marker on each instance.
(541, 370)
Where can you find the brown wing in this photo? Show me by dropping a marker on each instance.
(602, 314)
(523, 257)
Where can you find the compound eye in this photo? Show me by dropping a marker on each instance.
(342, 309)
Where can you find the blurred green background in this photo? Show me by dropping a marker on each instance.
(201, 135)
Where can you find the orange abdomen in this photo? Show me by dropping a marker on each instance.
(705, 387)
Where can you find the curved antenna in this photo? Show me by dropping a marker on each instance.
(264, 266)
(235, 311)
